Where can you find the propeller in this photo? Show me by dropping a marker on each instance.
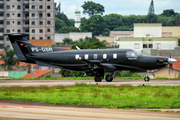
(170, 62)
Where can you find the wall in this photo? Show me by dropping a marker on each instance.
(166, 34)
(147, 30)
(108, 39)
(76, 36)
(17, 74)
(174, 53)
(59, 37)
(4, 74)
(165, 43)
(164, 72)
(41, 42)
(73, 35)
(174, 30)
(128, 43)
(121, 34)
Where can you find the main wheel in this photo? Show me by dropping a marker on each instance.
(98, 78)
(109, 78)
(146, 79)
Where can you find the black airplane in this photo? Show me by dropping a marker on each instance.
(94, 62)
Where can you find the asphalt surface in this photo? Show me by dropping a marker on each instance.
(15, 111)
(18, 110)
(73, 82)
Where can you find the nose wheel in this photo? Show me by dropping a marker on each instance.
(146, 79)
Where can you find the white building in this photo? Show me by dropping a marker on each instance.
(147, 30)
(77, 18)
(146, 37)
(121, 34)
(144, 45)
(73, 35)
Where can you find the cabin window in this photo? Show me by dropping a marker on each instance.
(76, 57)
(86, 56)
(95, 56)
(104, 56)
(132, 54)
(114, 56)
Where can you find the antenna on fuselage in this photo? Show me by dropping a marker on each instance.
(78, 48)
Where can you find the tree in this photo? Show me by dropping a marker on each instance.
(63, 17)
(67, 29)
(169, 13)
(71, 21)
(177, 19)
(122, 28)
(113, 21)
(90, 43)
(92, 8)
(68, 41)
(9, 59)
(56, 8)
(151, 18)
(59, 24)
(95, 24)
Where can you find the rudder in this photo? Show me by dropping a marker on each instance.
(21, 45)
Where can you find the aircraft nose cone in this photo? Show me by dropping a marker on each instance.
(172, 60)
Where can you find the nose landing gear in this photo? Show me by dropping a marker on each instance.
(146, 79)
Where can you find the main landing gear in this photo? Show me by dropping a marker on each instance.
(109, 78)
(100, 76)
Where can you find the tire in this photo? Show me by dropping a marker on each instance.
(98, 78)
(109, 78)
(146, 79)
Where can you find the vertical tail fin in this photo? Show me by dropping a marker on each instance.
(21, 45)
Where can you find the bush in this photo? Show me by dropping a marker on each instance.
(48, 76)
(126, 74)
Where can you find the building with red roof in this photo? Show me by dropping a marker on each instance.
(37, 74)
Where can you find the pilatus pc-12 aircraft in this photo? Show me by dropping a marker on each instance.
(94, 62)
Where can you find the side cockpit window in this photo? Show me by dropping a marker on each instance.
(132, 54)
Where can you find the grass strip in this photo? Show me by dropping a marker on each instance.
(124, 96)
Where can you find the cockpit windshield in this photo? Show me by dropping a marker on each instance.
(132, 54)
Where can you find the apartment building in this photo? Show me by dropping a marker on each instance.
(35, 17)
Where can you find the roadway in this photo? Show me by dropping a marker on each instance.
(73, 82)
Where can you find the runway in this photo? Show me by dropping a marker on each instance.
(116, 82)
(15, 111)
(20, 110)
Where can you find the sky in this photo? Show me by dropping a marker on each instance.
(123, 7)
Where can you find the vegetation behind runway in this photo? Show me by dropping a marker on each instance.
(124, 96)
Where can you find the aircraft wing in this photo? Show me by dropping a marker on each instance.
(108, 67)
(93, 64)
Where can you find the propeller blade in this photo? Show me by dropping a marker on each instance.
(170, 68)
